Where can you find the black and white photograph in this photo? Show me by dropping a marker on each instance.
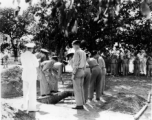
(76, 59)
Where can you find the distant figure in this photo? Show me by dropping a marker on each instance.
(131, 64)
(114, 65)
(5, 59)
(125, 64)
(108, 60)
(149, 66)
(4, 46)
(120, 68)
(137, 66)
(15, 52)
(29, 77)
(142, 61)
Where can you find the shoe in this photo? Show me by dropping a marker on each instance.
(43, 95)
(78, 107)
(98, 99)
(34, 110)
(54, 91)
(50, 94)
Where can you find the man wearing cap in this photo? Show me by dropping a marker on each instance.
(79, 65)
(87, 74)
(29, 76)
(101, 63)
(43, 55)
(54, 70)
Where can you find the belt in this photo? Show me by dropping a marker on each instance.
(93, 66)
(80, 68)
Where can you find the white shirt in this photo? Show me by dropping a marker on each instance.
(29, 64)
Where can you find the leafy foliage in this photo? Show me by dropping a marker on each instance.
(60, 24)
(99, 24)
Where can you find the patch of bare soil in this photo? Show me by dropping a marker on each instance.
(124, 102)
(10, 113)
(127, 94)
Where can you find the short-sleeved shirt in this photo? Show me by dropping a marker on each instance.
(79, 60)
(101, 62)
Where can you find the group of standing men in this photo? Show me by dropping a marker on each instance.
(88, 75)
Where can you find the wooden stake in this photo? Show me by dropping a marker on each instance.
(140, 112)
(149, 97)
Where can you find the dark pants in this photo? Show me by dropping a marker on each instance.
(95, 82)
(137, 70)
(119, 67)
(87, 77)
(113, 68)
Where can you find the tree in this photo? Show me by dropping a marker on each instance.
(62, 22)
(99, 23)
(12, 25)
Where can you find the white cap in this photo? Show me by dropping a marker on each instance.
(44, 50)
(30, 45)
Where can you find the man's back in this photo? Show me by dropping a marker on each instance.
(101, 62)
(28, 60)
(79, 59)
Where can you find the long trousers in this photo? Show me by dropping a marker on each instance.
(149, 70)
(29, 95)
(137, 70)
(125, 69)
(78, 87)
(44, 86)
(143, 68)
(103, 84)
(86, 83)
(95, 81)
(114, 68)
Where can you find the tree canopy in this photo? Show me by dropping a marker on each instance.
(98, 23)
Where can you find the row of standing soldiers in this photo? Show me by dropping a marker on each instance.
(123, 65)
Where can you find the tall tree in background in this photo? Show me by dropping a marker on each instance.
(13, 27)
(100, 23)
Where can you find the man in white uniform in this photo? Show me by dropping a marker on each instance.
(29, 77)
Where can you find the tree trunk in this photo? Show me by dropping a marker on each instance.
(55, 98)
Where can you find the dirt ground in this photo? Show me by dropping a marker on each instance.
(62, 111)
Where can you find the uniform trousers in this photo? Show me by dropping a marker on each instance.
(103, 84)
(95, 81)
(87, 78)
(78, 83)
(137, 69)
(44, 85)
(149, 70)
(29, 95)
(125, 69)
(114, 68)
